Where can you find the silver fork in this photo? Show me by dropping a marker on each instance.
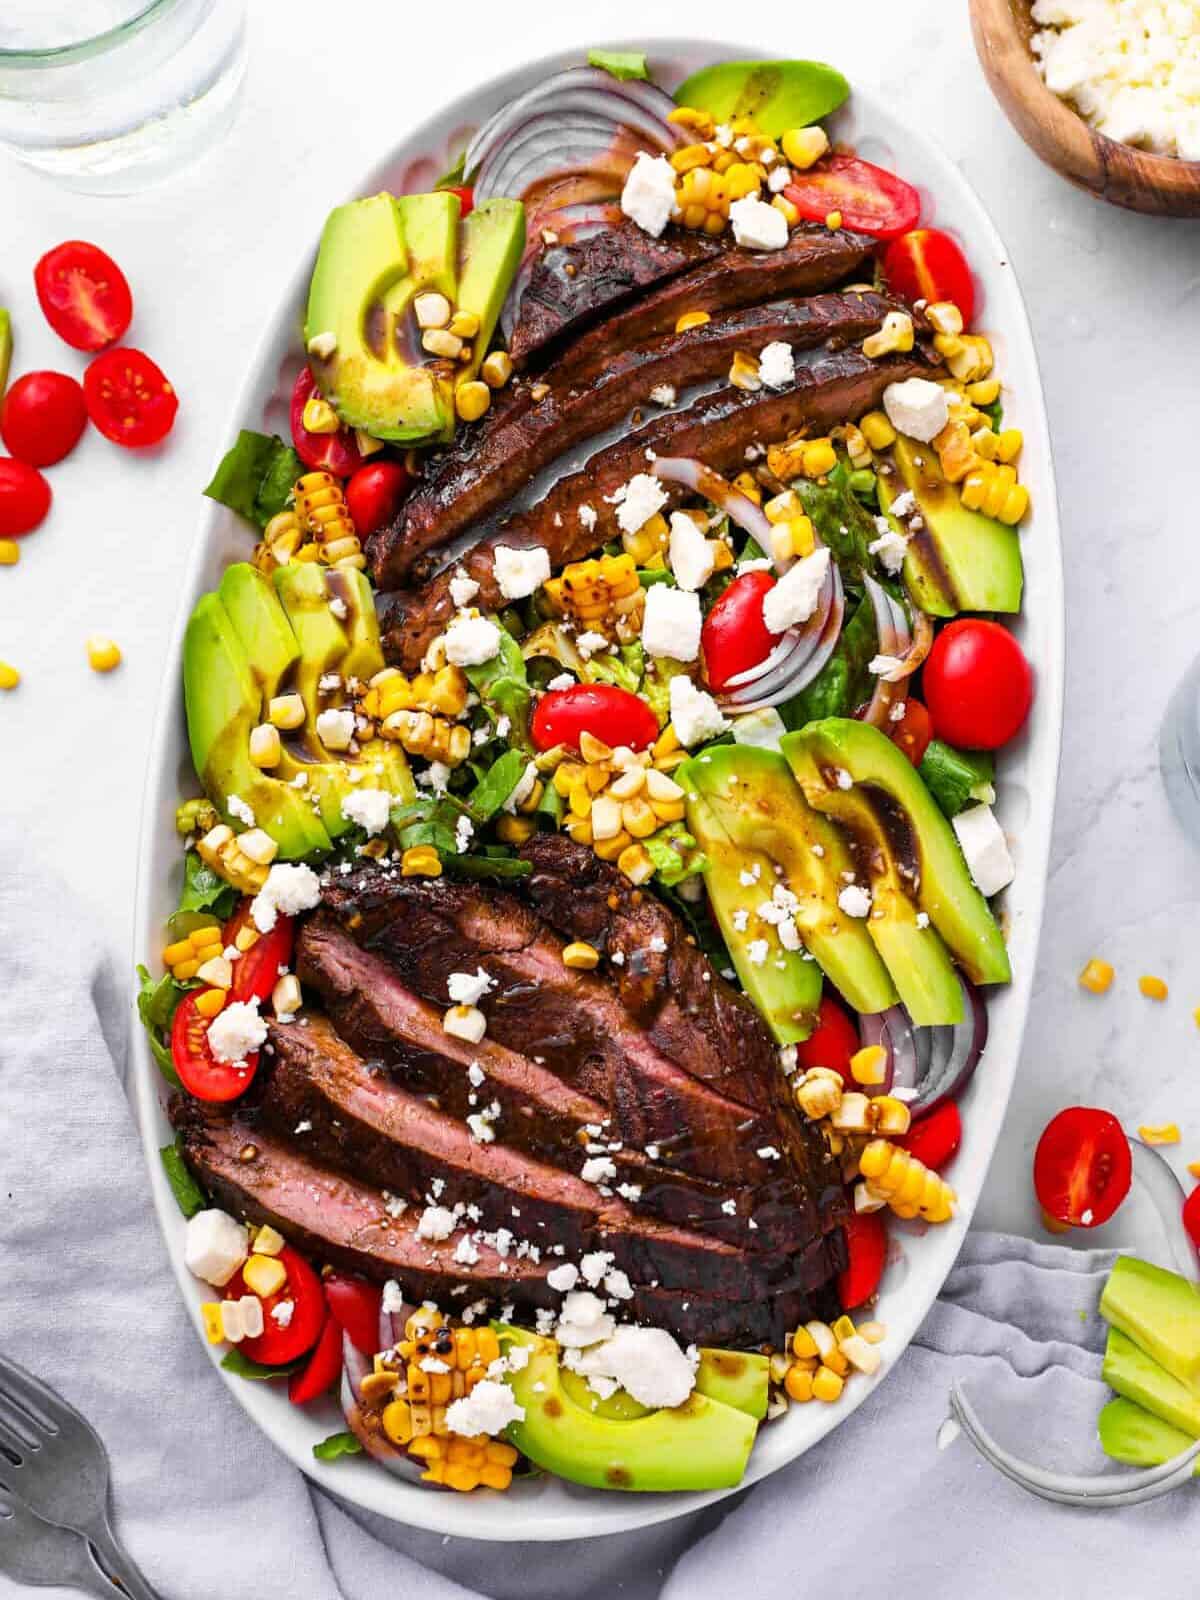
(54, 1460)
(38, 1553)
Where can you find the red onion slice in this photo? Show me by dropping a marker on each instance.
(931, 1064)
(391, 1324)
(376, 1444)
(788, 681)
(711, 486)
(892, 642)
(1158, 1178)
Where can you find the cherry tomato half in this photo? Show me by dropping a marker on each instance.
(323, 1369)
(735, 637)
(936, 1138)
(256, 971)
(608, 713)
(466, 196)
(1191, 1216)
(278, 1344)
(928, 264)
(83, 295)
(129, 398)
(354, 1305)
(199, 1070)
(374, 493)
(43, 416)
(913, 732)
(978, 685)
(321, 452)
(866, 1243)
(832, 1042)
(1082, 1167)
(24, 498)
(869, 199)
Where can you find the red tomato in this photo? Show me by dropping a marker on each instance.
(977, 684)
(354, 1305)
(610, 714)
(735, 637)
(936, 1138)
(199, 1070)
(866, 1243)
(276, 1344)
(24, 498)
(913, 732)
(256, 971)
(43, 415)
(323, 1370)
(466, 197)
(321, 452)
(832, 1042)
(83, 295)
(1082, 1167)
(870, 200)
(374, 493)
(129, 398)
(928, 265)
(1191, 1216)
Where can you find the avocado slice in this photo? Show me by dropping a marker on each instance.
(1159, 1311)
(702, 1444)
(748, 806)
(775, 95)
(737, 1378)
(375, 255)
(1129, 1434)
(493, 239)
(943, 890)
(224, 703)
(960, 560)
(1132, 1373)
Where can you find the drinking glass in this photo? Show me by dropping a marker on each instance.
(109, 95)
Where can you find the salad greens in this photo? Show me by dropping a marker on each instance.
(622, 64)
(255, 477)
(237, 1362)
(844, 682)
(156, 1003)
(203, 890)
(955, 778)
(502, 685)
(336, 1446)
(188, 1194)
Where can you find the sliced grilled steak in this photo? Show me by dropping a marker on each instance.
(491, 463)
(716, 429)
(571, 287)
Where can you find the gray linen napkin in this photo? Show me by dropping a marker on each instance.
(209, 1508)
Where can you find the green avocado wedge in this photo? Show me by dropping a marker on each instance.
(1159, 1311)
(492, 239)
(737, 1378)
(775, 95)
(1137, 1437)
(1132, 1373)
(702, 1444)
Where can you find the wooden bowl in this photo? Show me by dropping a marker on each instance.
(1054, 130)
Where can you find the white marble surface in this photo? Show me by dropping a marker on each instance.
(1115, 303)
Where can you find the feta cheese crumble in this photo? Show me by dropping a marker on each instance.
(644, 497)
(917, 407)
(689, 553)
(794, 598)
(468, 988)
(214, 1247)
(777, 365)
(369, 808)
(520, 572)
(470, 641)
(645, 1362)
(649, 193)
(237, 1031)
(985, 848)
(891, 547)
(291, 887)
(489, 1408)
(463, 589)
(695, 715)
(757, 225)
(855, 901)
(671, 624)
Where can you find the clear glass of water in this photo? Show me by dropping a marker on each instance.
(107, 96)
(1179, 752)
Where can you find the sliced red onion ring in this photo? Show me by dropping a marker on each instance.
(376, 1444)
(788, 680)
(1157, 1176)
(798, 644)
(1094, 1491)
(702, 480)
(936, 1063)
(391, 1324)
(892, 641)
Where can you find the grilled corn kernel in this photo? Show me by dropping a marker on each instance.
(593, 749)
(420, 861)
(611, 849)
(630, 784)
(689, 117)
(497, 369)
(803, 146)
(1162, 1133)
(515, 830)
(877, 430)
(471, 400)
(798, 1384)
(956, 451)
(833, 220)
(268, 1241)
(861, 1354)
(582, 956)
(397, 1422)
(827, 1385)
(1008, 444)
(782, 507)
(1153, 988)
(944, 316)
(889, 1117)
(464, 324)
(690, 156)
(431, 310)
(968, 356)
(818, 1094)
(258, 844)
(217, 972)
(785, 207)
(319, 416)
(264, 1275)
(210, 1002)
(639, 818)
(321, 509)
(190, 953)
(103, 654)
(895, 334)
(265, 746)
(857, 447)
(819, 458)
(286, 711)
(579, 829)
(286, 996)
(744, 374)
(984, 392)
(748, 484)
(441, 342)
(432, 738)
(10, 552)
(804, 1346)
(634, 861)
(691, 319)
(220, 850)
(1097, 976)
(906, 1183)
(869, 1065)
(993, 489)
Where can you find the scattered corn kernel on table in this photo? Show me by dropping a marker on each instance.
(1115, 302)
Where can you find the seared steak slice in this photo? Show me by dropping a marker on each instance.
(489, 464)
(717, 429)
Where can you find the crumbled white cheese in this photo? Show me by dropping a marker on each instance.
(237, 1031)
(463, 589)
(238, 809)
(588, 517)
(598, 1169)
(649, 193)
(436, 777)
(489, 1408)
(214, 1247)
(282, 1312)
(757, 225)
(464, 832)
(644, 496)
(520, 572)
(690, 554)
(917, 407)
(562, 680)
(335, 728)
(436, 1222)
(777, 365)
(465, 1022)
(779, 177)
(756, 952)
(291, 887)
(369, 808)
(763, 728)
(985, 848)
(890, 668)
(855, 901)
(645, 1362)
(794, 598)
(663, 394)
(891, 547)
(695, 715)
(591, 643)
(671, 623)
(470, 641)
(584, 1320)
(468, 988)
(564, 1278)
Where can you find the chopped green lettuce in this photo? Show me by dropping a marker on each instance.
(502, 684)
(844, 682)
(337, 1444)
(188, 1194)
(156, 1003)
(256, 476)
(622, 64)
(841, 522)
(236, 1362)
(955, 778)
(494, 788)
(625, 669)
(203, 890)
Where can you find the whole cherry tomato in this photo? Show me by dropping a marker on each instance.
(321, 452)
(83, 295)
(24, 498)
(129, 398)
(608, 713)
(466, 197)
(913, 732)
(43, 416)
(928, 265)
(866, 1244)
(1082, 1167)
(832, 1042)
(936, 1138)
(323, 1369)
(1191, 1216)
(735, 637)
(256, 971)
(354, 1305)
(869, 199)
(286, 1340)
(978, 685)
(374, 493)
(199, 1070)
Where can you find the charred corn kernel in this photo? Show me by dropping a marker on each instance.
(852, 1115)
(593, 749)
(441, 342)
(610, 839)
(589, 591)
(397, 1422)
(431, 310)
(985, 443)
(286, 996)
(668, 810)
(595, 777)
(743, 372)
(789, 212)
(285, 711)
(944, 316)
(444, 691)
(220, 850)
(877, 430)
(465, 324)
(1097, 976)
(265, 747)
(258, 844)
(742, 178)
(581, 955)
(803, 146)
(217, 972)
(10, 552)
(210, 1311)
(281, 539)
(515, 830)
(102, 653)
(690, 156)
(819, 458)
(861, 1355)
(497, 369)
(956, 451)
(647, 546)
(420, 861)
(804, 1346)
(210, 1002)
(782, 507)
(993, 489)
(630, 784)
(195, 816)
(968, 356)
(895, 334)
(432, 738)
(567, 776)
(9, 676)
(843, 1328)
(264, 1275)
(906, 1183)
(268, 1241)
(199, 946)
(689, 117)
(798, 1385)
(818, 1094)
(579, 829)
(579, 802)
(1161, 1133)
(827, 1385)
(471, 400)
(319, 416)
(984, 392)
(857, 447)
(1008, 444)
(691, 319)
(634, 861)
(777, 1366)
(821, 1335)
(638, 818)
(661, 789)
(889, 1117)
(872, 1332)
(321, 510)
(748, 484)
(378, 1386)
(869, 1065)
(722, 559)
(833, 220)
